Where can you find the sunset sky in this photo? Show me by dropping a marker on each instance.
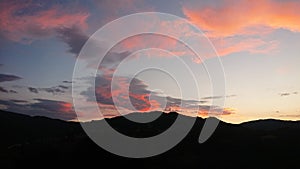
(258, 43)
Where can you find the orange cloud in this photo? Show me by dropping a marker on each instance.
(241, 26)
(138, 98)
(208, 113)
(239, 17)
(17, 25)
(65, 107)
(228, 46)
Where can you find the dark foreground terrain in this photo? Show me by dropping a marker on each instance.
(39, 142)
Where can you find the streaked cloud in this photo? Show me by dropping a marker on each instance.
(288, 94)
(59, 89)
(8, 77)
(33, 90)
(218, 97)
(42, 107)
(3, 90)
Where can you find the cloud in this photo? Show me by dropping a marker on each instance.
(66, 81)
(73, 37)
(174, 47)
(3, 90)
(288, 94)
(18, 101)
(138, 93)
(42, 107)
(231, 45)
(243, 26)
(12, 91)
(291, 116)
(63, 87)
(25, 22)
(218, 97)
(33, 90)
(6, 77)
(53, 91)
(140, 99)
(211, 112)
(53, 105)
(284, 94)
(112, 10)
(59, 89)
(212, 97)
(228, 17)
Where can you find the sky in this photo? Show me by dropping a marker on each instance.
(256, 43)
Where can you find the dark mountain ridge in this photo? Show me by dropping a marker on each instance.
(46, 143)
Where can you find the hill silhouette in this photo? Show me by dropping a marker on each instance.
(40, 142)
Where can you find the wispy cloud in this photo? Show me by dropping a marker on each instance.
(218, 97)
(59, 89)
(288, 94)
(8, 77)
(3, 90)
(33, 90)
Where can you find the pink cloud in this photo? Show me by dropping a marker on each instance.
(241, 26)
(25, 27)
(236, 17)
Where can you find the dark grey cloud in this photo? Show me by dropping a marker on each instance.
(284, 94)
(12, 91)
(33, 90)
(7, 77)
(18, 101)
(41, 107)
(287, 93)
(53, 90)
(60, 89)
(112, 59)
(73, 37)
(3, 90)
(63, 87)
(66, 81)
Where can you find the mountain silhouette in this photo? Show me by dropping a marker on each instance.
(40, 142)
